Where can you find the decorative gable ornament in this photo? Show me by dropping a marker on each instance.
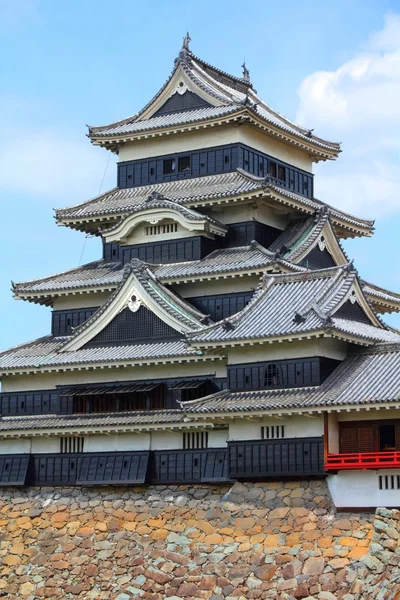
(321, 243)
(134, 304)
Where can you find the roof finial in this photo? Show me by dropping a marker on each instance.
(186, 40)
(246, 72)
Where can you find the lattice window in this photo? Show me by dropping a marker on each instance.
(389, 482)
(195, 440)
(71, 444)
(272, 432)
(163, 228)
(273, 375)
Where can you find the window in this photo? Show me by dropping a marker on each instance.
(71, 444)
(184, 164)
(281, 173)
(387, 437)
(272, 432)
(273, 375)
(195, 440)
(389, 482)
(159, 229)
(272, 168)
(169, 166)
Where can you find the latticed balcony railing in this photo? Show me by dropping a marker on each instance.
(363, 460)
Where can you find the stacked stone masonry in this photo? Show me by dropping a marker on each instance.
(265, 540)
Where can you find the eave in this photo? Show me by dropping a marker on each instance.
(242, 116)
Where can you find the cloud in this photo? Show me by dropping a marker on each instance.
(53, 166)
(359, 105)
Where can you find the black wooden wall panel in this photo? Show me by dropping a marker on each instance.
(167, 251)
(128, 326)
(14, 469)
(113, 467)
(188, 466)
(318, 259)
(181, 103)
(293, 373)
(276, 458)
(29, 403)
(242, 234)
(221, 306)
(62, 321)
(215, 160)
(354, 312)
(53, 469)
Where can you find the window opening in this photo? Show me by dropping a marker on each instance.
(387, 438)
(226, 159)
(152, 171)
(195, 440)
(273, 375)
(72, 444)
(169, 166)
(272, 432)
(272, 168)
(281, 173)
(184, 164)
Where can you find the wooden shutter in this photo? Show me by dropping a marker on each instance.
(366, 437)
(348, 439)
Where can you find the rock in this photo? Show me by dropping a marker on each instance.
(314, 565)
(326, 596)
(265, 572)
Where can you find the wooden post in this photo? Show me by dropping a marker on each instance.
(326, 437)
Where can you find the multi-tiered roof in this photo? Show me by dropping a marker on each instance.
(301, 284)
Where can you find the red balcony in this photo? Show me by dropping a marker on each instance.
(363, 460)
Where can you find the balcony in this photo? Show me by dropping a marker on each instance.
(363, 461)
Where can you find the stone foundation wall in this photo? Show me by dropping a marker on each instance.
(267, 540)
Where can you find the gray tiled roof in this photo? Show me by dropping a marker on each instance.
(292, 305)
(235, 94)
(100, 274)
(299, 235)
(103, 420)
(97, 274)
(200, 190)
(377, 294)
(366, 377)
(45, 352)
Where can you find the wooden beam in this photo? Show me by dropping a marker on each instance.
(326, 437)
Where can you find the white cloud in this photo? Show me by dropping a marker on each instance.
(359, 105)
(53, 167)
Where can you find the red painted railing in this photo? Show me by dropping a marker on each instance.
(363, 460)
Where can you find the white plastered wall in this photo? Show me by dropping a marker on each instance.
(166, 440)
(218, 438)
(117, 442)
(90, 300)
(360, 489)
(326, 347)
(250, 211)
(217, 136)
(15, 446)
(42, 445)
(48, 381)
(295, 427)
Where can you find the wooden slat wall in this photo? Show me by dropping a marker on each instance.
(121, 468)
(62, 321)
(276, 458)
(221, 306)
(29, 403)
(14, 469)
(188, 466)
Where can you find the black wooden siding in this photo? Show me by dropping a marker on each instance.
(211, 161)
(13, 469)
(128, 326)
(318, 259)
(221, 306)
(113, 467)
(292, 457)
(29, 403)
(189, 466)
(252, 459)
(62, 321)
(292, 373)
(181, 103)
(353, 312)
(193, 248)
(168, 251)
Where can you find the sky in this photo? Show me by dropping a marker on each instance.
(331, 66)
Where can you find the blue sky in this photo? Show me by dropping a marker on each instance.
(332, 66)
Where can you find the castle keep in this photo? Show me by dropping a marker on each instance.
(224, 334)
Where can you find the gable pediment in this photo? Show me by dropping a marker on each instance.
(180, 102)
